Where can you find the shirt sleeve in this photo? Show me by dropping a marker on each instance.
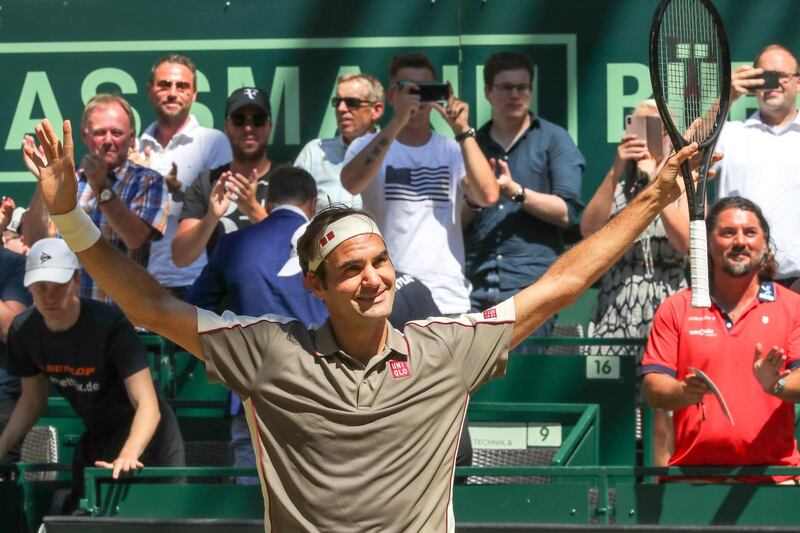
(219, 152)
(793, 344)
(478, 342)
(125, 350)
(566, 172)
(234, 347)
(13, 288)
(356, 146)
(208, 289)
(151, 202)
(18, 362)
(661, 353)
(195, 202)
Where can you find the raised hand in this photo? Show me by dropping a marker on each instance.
(29, 164)
(140, 158)
(406, 103)
(669, 182)
(456, 113)
(171, 179)
(745, 80)
(96, 172)
(247, 201)
(7, 207)
(56, 169)
(220, 199)
(769, 368)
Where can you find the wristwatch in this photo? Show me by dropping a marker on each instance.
(463, 135)
(106, 195)
(779, 386)
(519, 197)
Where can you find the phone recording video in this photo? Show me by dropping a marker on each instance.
(429, 91)
(771, 80)
(649, 129)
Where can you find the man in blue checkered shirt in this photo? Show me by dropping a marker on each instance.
(128, 202)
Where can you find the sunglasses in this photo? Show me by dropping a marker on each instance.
(350, 103)
(258, 121)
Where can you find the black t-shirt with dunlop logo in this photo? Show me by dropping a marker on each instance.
(87, 363)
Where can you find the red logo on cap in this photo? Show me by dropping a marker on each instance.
(399, 369)
(326, 239)
(490, 313)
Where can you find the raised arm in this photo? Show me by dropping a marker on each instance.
(141, 298)
(480, 184)
(193, 233)
(142, 395)
(577, 269)
(358, 173)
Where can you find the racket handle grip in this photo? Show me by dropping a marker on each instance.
(698, 255)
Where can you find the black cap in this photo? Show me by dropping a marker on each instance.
(248, 96)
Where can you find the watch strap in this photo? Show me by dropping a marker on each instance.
(464, 134)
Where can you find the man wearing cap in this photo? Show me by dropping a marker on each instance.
(176, 144)
(90, 352)
(14, 299)
(354, 417)
(359, 106)
(250, 270)
(232, 196)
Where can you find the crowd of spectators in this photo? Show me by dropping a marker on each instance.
(470, 220)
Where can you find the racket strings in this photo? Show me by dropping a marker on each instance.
(690, 68)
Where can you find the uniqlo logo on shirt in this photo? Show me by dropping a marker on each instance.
(399, 369)
(490, 313)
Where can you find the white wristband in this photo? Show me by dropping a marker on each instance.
(77, 229)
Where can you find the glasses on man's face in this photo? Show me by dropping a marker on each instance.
(180, 86)
(508, 88)
(258, 120)
(350, 103)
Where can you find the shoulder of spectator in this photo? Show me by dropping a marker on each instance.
(358, 144)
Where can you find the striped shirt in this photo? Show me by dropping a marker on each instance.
(144, 192)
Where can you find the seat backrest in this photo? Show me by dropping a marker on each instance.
(565, 330)
(40, 446)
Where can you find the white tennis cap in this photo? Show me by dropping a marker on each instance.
(50, 260)
(292, 265)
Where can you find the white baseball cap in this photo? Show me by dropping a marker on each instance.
(50, 260)
(292, 266)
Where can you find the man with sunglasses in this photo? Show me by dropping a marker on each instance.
(359, 106)
(763, 151)
(539, 172)
(176, 144)
(232, 196)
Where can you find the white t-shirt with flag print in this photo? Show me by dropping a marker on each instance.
(416, 199)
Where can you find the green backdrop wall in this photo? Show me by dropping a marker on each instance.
(590, 56)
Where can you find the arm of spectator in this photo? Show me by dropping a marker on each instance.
(598, 211)
(193, 233)
(133, 231)
(582, 265)
(358, 173)
(245, 189)
(6, 212)
(479, 184)
(29, 408)
(548, 207)
(671, 394)
(143, 300)
(770, 367)
(744, 80)
(139, 158)
(675, 218)
(145, 421)
(8, 310)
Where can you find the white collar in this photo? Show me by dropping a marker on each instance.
(192, 124)
(755, 120)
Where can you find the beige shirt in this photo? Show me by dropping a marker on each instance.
(347, 447)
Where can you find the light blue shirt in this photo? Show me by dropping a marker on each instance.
(324, 159)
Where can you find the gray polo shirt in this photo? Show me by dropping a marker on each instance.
(348, 447)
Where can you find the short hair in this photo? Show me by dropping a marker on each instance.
(290, 185)
(649, 103)
(410, 60)
(178, 59)
(104, 100)
(769, 265)
(775, 46)
(307, 244)
(502, 61)
(374, 86)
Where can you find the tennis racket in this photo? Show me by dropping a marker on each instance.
(690, 71)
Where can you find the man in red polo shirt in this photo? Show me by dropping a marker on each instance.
(748, 343)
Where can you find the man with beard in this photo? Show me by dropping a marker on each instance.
(178, 147)
(747, 342)
(240, 186)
